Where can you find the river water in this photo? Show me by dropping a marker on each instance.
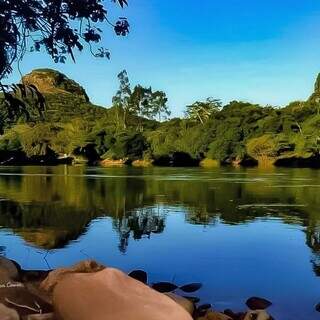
(240, 232)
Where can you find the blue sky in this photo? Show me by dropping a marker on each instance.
(259, 51)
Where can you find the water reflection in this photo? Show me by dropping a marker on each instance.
(49, 207)
(140, 223)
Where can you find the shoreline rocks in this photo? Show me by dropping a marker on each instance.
(89, 290)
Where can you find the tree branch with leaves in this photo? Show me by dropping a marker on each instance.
(201, 111)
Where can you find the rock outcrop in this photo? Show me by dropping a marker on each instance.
(89, 290)
(52, 81)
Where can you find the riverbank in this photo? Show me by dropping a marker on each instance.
(174, 160)
(72, 129)
(59, 294)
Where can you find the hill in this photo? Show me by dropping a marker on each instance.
(238, 133)
(65, 98)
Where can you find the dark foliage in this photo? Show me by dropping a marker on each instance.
(58, 26)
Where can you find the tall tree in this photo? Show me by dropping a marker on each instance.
(203, 110)
(121, 100)
(140, 100)
(149, 104)
(159, 105)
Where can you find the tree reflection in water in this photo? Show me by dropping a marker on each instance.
(140, 223)
(49, 207)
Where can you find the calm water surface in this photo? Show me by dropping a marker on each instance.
(241, 232)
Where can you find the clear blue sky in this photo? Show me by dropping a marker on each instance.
(266, 52)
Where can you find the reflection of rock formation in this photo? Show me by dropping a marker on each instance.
(45, 238)
(46, 226)
(141, 223)
(51, 206)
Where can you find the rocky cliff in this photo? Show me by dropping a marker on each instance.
(50, 81)
(65, 98)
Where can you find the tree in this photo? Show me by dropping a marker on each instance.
(58, 26)
(38, 140)
(203, 110)
(146, 103)
(264, 149)
(127, 145)
(140, 101)
(121, 100)
(159, 105)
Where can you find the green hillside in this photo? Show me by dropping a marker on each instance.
(238, 133)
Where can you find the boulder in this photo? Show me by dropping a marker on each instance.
(54, 277)
(183, 302)
(111, 294)
(256, 303)
(8, 270)
(8, 313)
(17, 297)
(32, 281)
(211, 315)
(233, 315)
(257, 315)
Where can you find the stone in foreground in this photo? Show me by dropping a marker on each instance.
(114, 295)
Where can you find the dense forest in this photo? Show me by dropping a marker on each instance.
(137, 128)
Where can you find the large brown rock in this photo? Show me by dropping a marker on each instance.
(211, 315)
(54, 277)
(257, 315)
(183, 302)
(111, 294)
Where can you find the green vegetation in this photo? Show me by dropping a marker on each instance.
(137, 127)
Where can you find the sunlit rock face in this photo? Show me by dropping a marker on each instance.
(52, 81)
(315, 97)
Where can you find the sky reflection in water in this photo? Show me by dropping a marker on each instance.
(239, 232)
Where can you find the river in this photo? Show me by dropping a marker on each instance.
(240, 232)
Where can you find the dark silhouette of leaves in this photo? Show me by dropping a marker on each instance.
(21, 101)
(123, 3)
(57, 26)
